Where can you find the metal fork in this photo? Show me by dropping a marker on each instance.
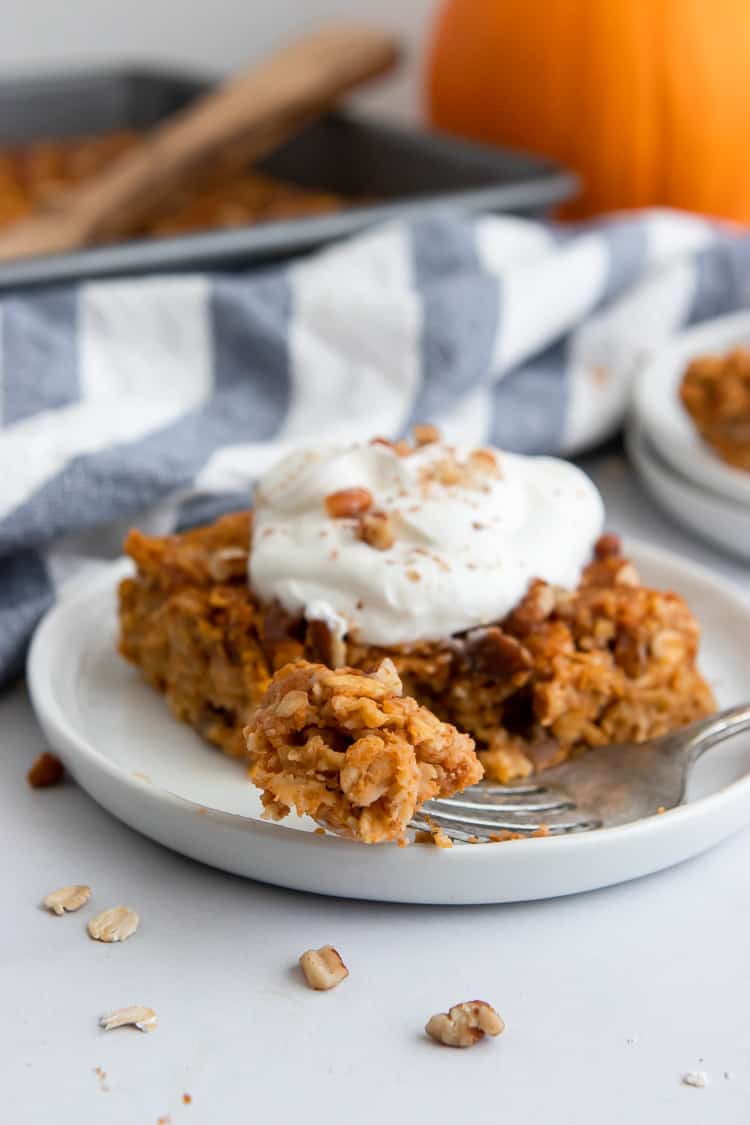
(611, 785)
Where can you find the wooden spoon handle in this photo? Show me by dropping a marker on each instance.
(244, 119)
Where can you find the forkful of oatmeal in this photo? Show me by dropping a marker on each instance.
(347, 748)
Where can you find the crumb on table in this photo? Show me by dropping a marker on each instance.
(47, 770)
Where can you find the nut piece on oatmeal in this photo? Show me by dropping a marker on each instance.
(135, 1016)
(47, 770)
(117, 924)
(67, 898)
(323, 968)
(348, 749)
(348, 502)
(465, 1024)
(472, 473)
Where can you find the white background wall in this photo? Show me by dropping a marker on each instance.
(217, 35)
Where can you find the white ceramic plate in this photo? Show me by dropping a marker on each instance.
(118, 739)
(659, 412)
(724, 523)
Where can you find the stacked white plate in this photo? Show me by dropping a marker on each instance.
(682, 473)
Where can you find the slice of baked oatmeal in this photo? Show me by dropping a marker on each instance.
(190, 623)
(715, 391)
(567, 670)
(350, 750)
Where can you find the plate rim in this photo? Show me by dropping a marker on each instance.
(50, 715)
(661, 481)
(699, 463)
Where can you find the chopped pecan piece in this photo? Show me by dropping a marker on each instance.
(607, 546)
(348, 502)
(447, 471)
(484, 461)
(536, 606)
(323, 968)
(465, 1024)
(47, 770)
(426, 435)
(376, 529)
(495, 654)
(325, 645)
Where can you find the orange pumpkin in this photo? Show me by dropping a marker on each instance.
(648, 100)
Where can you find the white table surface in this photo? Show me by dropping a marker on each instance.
(608, 997)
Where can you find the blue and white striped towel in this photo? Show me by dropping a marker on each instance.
(157, 401)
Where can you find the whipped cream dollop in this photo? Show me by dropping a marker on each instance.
(466, 532)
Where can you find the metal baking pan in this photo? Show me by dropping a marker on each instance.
(406, 170)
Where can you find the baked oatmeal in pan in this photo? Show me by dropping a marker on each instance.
(482, 579)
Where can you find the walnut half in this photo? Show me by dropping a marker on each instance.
(465, 1024)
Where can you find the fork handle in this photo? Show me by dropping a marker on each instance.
(716, 728)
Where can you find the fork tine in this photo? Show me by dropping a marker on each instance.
(517, 787)
(514, 796)
(470, 802)
(557, 823)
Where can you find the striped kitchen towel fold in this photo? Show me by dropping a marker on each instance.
(159, 400)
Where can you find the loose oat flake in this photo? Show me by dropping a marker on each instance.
(67, 899)
(117, 924)
(135, 1016)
